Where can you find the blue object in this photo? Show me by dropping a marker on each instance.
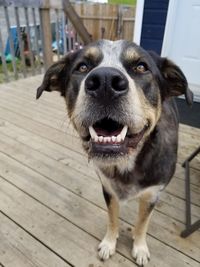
(153, 24)
(13, 31)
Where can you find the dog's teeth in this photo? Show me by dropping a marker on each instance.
(119, 138)
(93, 133)
(124, 132)
(113, 138)
(106, 139)
(109, 139)
(100, 139)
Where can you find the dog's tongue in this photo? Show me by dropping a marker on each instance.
(104, 133)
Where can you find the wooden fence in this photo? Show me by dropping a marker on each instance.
(107, 21)
(34, 33)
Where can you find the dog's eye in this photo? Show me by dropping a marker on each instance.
(141, 67)
(82, 68)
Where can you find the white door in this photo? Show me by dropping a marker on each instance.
(182, 39)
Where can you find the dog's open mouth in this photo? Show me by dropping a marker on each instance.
(110, 138)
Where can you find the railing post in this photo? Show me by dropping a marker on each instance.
(46, 34)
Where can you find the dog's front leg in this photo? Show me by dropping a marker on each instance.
(140, 249)
(108, 244)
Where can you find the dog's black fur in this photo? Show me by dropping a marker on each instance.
(119, 83)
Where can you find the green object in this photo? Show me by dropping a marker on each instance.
(9, 58)
(123, 2)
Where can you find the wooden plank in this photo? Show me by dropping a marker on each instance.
(36, 40)
(30, 112)
(18, 99)
(31, 56)
(162, 227)
(194, 174)
(68, 241)
(177, 187)
(46, 147)
(40, 129)
(21, 45)
(57, 33)
(188, 129)
(18, 248)
(46, 36)
(81, 211)
(4, 65)
(11, 43)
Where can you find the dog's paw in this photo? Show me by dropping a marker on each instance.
(106, 249)
(141, 254)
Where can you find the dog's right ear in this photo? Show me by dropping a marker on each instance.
(56, 76)
(52, 79)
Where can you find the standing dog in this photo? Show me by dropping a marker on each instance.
(119, 99)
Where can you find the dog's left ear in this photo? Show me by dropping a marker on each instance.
(175, 81)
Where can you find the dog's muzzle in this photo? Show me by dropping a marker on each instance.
(109, 134)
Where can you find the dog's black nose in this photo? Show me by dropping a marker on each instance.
(106, 82)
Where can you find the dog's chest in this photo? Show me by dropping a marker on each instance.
(124, 186)
(124, 191)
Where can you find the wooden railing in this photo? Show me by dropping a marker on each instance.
(34, 33)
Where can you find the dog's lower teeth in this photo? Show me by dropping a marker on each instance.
(113, 138)
(96, 139)
(100, 139)
(119, 138)
(108, 139)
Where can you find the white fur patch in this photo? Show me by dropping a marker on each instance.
(140, 253)
(107, 248)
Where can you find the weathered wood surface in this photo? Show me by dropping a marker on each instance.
(53, 212)
(104, 21)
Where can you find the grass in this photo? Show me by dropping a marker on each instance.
(123, 2)
(10, 69)
(19, 70)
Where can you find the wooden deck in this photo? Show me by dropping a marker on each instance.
(52, 212)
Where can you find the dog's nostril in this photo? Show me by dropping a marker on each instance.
(119, 84)
(92, 84)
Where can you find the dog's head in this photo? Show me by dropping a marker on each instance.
(114, 93)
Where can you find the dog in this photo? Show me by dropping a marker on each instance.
(119, 99)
